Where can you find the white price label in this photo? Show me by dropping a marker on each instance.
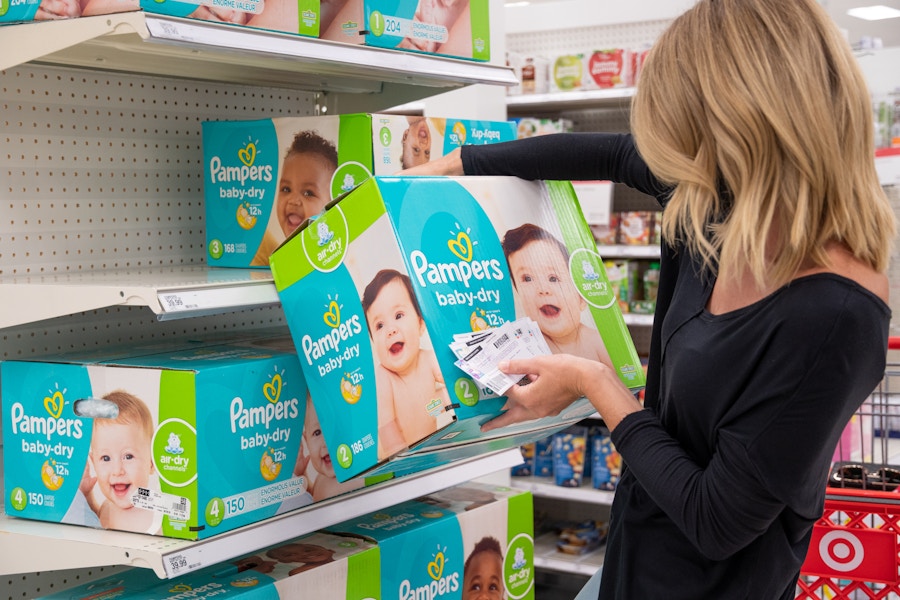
(177, 564)
(175, 507)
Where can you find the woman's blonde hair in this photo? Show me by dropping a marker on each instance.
(758, 114)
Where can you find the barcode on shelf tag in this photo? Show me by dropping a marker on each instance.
(175, 507)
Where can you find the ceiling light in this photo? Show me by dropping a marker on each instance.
(513, 4)
(874, 13)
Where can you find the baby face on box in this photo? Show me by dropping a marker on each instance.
(263, 179)
(79, 454)
(136, 446)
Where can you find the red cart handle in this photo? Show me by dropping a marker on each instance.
(894, 342)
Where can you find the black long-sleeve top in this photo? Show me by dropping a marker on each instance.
(726, 468)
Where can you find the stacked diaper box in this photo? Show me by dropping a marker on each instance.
(467, 537)
(471, 536)
(376, 288)
(299, 17)
(455, 28)
(184, 443)
(263, 178)
(319, 565)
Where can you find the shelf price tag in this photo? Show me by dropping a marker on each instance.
(180, 301)
(177, 564)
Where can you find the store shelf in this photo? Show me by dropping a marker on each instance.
(887, 163)
(638, 320)
(32, 546)
(170, 292)
(544, 487)
(623, 251)
(546, 556)
(525, 104)
(144, 43)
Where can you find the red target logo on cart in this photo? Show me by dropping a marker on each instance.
(860, 554)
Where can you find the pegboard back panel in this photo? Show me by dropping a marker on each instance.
(105, 170)
(580, 39)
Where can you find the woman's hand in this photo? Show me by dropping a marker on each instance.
(448, 165)
(557, 380)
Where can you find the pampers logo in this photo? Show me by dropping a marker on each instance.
(269, 414)
(48, 427)
(185, 590)
(332, 346)
(243, 172)
(439, 585)
(463, 271)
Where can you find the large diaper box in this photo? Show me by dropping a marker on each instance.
(375, 289)
(186, 443)
(457, 28)
(263, 178)
(300, 17)
(320, 565)
(446, 545)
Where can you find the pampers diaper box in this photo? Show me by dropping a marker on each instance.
(457, 28)
(443, 545)
(376, 288)
(300, 17)
(186, 443)
(263, 178)
(320, 565)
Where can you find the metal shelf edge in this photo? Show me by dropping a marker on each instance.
(31, 546)
(219, 52)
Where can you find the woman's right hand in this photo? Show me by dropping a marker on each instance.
(557, 380)
(448, 165)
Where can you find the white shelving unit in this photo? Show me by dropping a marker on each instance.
(103, 211)
(30, 546)
(170, 292)
(556, 102)
(139, 42)
(546, 556)
(543, 487)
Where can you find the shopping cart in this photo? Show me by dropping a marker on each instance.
(853, 554)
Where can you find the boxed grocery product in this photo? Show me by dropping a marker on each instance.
(609, 68)
(532, 126)
(457, 28)
(635, 227)
(543, 457)
(320, 565)
(606, 463)
(299, 17)
(526, 469)
(375, 289)
(567, 73)
(532, 74)
(262, 178)
(186, 443)
(462, 538)
(569, 449)
(619, 274)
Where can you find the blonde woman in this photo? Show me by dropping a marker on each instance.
(752, 127)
